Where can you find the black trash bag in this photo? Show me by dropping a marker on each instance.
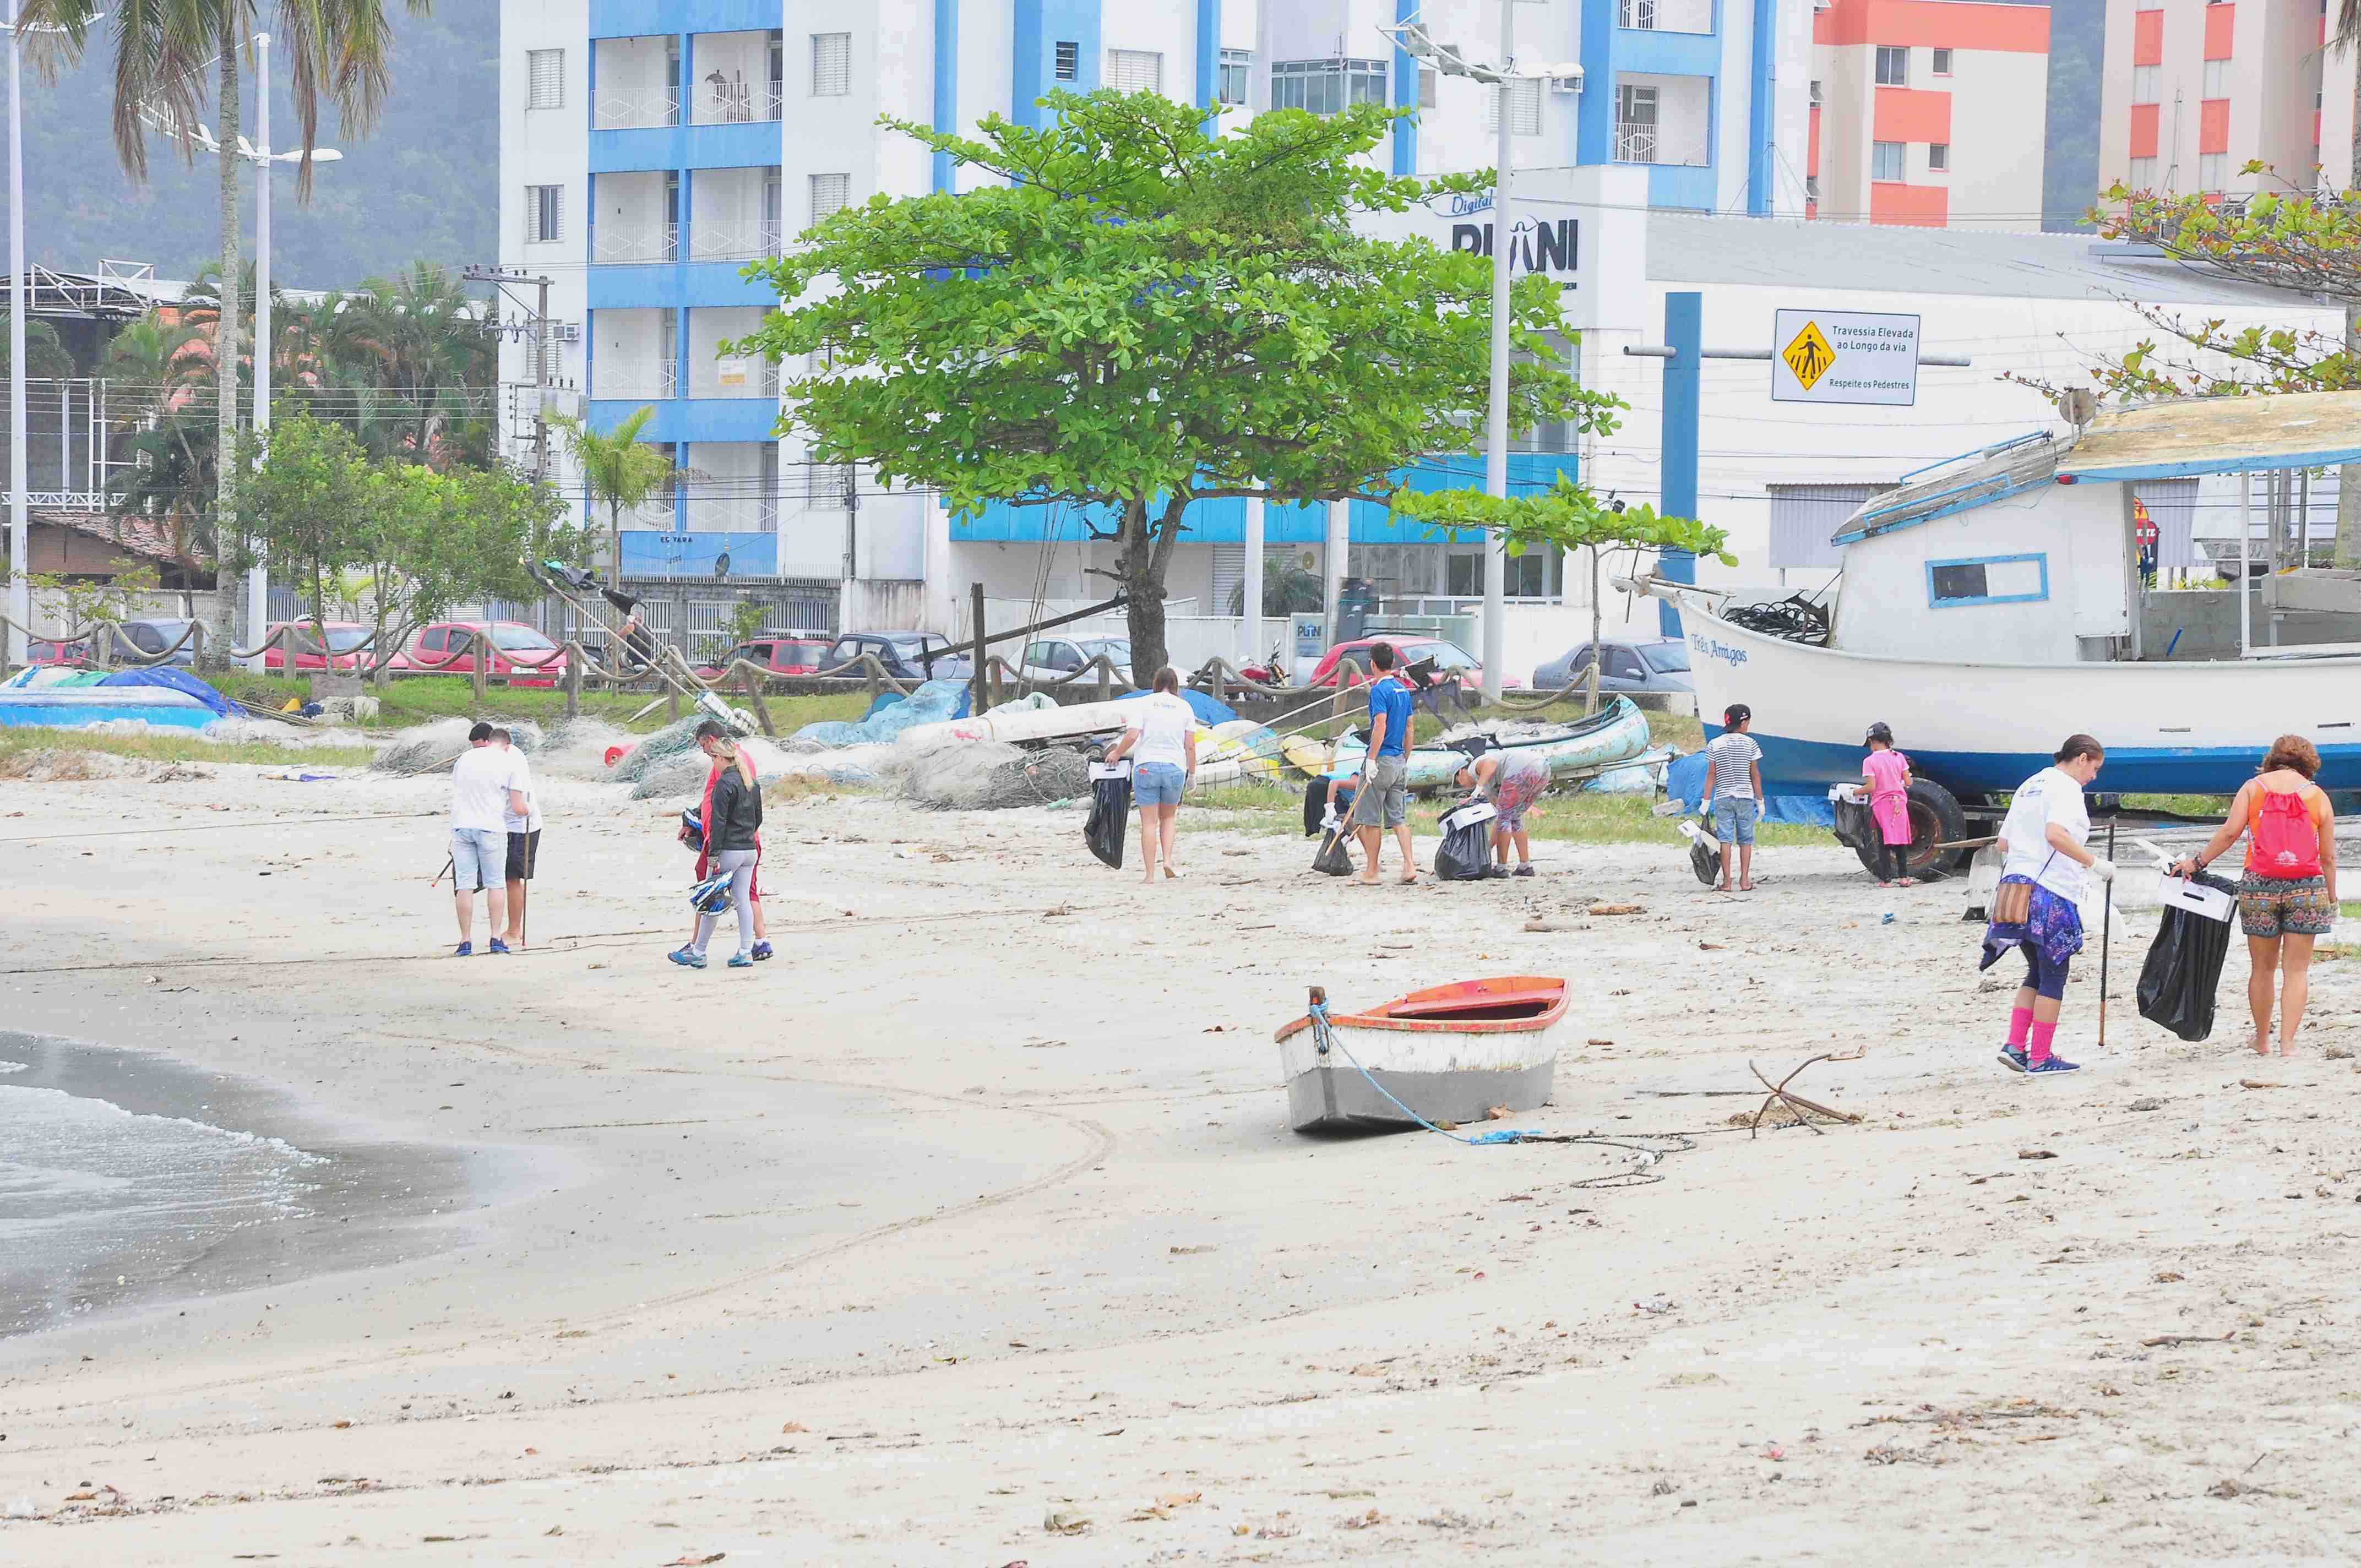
(1335, 858)
(1467, 847)
(1110, 822)
(1704, 860)
(2183, 972)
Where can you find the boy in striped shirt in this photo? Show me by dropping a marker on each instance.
(1733, 793)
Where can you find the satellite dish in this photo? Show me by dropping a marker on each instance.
(721, 565)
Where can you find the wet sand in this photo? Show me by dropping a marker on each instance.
(976, 1210)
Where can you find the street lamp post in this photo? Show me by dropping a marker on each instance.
(20, 543)
(1413, 38)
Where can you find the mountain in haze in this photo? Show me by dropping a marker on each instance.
(422, 184)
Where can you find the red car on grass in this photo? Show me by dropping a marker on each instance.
(345, 647)
(45, 650)
(519, 653)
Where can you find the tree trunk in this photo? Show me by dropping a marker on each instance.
(226, 331)
(1597, 638)
(1143, 553)
(615, 546)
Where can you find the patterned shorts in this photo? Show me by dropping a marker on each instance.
(2270, 906)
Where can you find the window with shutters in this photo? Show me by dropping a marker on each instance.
(1524, 108)
(2217, 78)
(1428, 87)
(2143, 174)
(544, 213)
(1135, 70)
(1237, 73)
(1066, 63)
(1893, 67)
(2144, 84)
(544, 79)
(1885, 160)
(831, 64)
(2212, 171)
(829, 194)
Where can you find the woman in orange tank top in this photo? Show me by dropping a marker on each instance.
(2288, 897)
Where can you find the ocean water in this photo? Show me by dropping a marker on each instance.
(132, 1178)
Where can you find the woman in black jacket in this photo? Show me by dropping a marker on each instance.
(731, 820)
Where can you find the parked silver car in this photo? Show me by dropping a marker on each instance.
(1633, 664)
(1055, 658)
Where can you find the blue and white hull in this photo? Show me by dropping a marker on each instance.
(79, 708)
(2170, 729)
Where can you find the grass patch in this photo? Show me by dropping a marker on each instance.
(189, 747)
(421, 699)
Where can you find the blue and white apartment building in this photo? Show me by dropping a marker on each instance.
(650, 149)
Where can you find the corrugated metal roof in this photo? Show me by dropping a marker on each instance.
(1698, 247)
(2218, 436)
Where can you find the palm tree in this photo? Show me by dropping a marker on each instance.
(336, 51)
(45, 354)
(621, 470)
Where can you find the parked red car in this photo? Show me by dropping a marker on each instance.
(788, 654)
(344, 646)
(74, 656)
(1452, 663)
(451, 648)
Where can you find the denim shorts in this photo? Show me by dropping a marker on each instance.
(1157, 784)
(1734, 816)
(477, 858)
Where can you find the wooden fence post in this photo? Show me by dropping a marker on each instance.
(977, 705)
(753, 690)
(479, 656)
(573, 661)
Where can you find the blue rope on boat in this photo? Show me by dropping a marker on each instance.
(1323, 1037)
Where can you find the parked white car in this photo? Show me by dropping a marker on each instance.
(1055, 658)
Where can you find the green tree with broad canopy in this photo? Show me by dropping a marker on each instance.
(1568, 516)
(1133, 315)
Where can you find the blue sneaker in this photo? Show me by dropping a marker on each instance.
(686, 959)
(2013, 1057)
(741, 961)
(463, 950)
(2054, 1064)
(762, 951)
(498, 946)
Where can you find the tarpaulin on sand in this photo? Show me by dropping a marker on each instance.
(935, 702)
(1685, 781)
(173, 680)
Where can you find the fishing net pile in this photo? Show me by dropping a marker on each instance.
(578, 748)
(661, 750)
(987, 775)
(426, 746)
(683, 774)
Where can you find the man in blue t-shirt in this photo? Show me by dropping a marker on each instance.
(1383, 800)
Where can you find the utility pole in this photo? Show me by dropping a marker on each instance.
(536, 332)
(20, 586)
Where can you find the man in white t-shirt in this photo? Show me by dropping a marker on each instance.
(524, 835)
(481, 801)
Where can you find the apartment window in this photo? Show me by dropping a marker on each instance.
(2217, 78)
(1939, 157)
(2212, 171)
(1238, 70)
(1066, 63)
(545, 70)
(2143, 174)
(1327, 86)
(1818, 97)
(1429, 87)
(1135, 70)
(544, 213)
(1640, 14)
(1885, 160)
(1811, 187)
(1524, 108)
(831, 65)
(1893, 67)
(1635, 124)
(2144, 84)
(829, 194)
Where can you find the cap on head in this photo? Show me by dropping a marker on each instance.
(480, 734)
(1879, 732)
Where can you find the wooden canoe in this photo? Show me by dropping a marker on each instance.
(1450, 1053)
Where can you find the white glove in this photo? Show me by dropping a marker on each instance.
(2104, 869)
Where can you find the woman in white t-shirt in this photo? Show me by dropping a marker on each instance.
(2043, 838)
(1161, 740)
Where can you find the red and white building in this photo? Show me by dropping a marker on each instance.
(2193, 91)
(1929, 112)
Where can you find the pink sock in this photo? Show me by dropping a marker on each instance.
(2020, 1022)
(2042, 1035)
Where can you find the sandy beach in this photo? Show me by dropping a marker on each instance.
(970, 1231)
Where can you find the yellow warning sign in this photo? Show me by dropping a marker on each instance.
(1808, 356)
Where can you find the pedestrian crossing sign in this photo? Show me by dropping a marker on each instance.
(1808, 356)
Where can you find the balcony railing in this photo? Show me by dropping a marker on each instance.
(1637, 143)
(623, 376)
(751, 376)
(1666, 15)
(716, 242)
(619, 245)
(627, 112)
(737, 104)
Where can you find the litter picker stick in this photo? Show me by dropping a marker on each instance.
(2106, 931)
(450, 864)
